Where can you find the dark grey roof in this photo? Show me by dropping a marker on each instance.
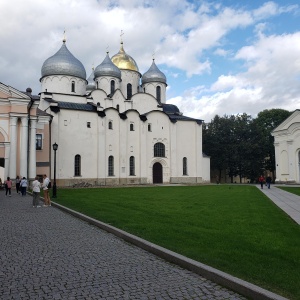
(154, 75)
(76, 106)
(40, 112)
(183, 118)
(63, 63)
(174, 114)
(170, 108)
(107, 68)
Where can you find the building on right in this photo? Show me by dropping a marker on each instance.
(287, 149)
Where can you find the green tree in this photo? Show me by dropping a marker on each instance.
(265, 123)
(215, 142)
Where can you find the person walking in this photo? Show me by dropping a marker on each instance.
(47, 200)
(36, 189)
(23, 185)
(18, 180)
(8, 185)
(268, 181)
(261, 180)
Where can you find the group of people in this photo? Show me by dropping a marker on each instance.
(266, 181)
(21, 187)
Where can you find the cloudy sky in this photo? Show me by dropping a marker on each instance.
(220, 57)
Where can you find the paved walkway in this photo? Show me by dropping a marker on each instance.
(48, 254)
(288, 202)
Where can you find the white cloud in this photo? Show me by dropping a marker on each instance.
(270, 81)
(183, 35)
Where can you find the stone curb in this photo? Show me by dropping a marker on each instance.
(233, 283)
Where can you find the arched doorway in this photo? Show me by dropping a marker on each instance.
(157, 173)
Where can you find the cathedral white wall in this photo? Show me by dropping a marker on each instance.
(70, 132)
(63, 84)
(150, 88)
(144, 103)
(131, 77)
(104, 83)
(160, 132)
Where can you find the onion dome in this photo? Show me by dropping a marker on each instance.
(154, 75)
(91, 83)
(63, 63)
(124, 61)
(107, 68)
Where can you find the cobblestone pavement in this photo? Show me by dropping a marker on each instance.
(48, 254)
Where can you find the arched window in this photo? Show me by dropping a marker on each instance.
(97, 84)
(184, 166)
(131, 166)
(118, 107)
(131, 127)
(77, 165)
(149, 127)
(73, 86)
(111, 166)
(158, 93)
(129, 91)
(159, 150)
(110, 125)
(112, 87)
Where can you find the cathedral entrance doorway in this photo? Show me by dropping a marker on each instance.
(157, 173)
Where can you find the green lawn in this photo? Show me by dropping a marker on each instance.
(294, 190)
(236, 229)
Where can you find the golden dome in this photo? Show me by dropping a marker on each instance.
(124, 61)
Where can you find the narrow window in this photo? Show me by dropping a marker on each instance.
(77, 165)
(110, 126)
(159, 150)
(73, 86)
(184, 166)
(97, 85)
(131, 166)
(131, 127)
(158, 93)
(149, 127)
(88, 124)
(129, 91)
(112, 87)
(118, 107)
(38, 142)
(111, 166)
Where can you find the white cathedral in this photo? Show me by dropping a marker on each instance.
(113, 128)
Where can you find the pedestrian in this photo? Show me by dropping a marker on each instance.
(8, 185)
(23, 185)
(261, 180)
(47, 201)
(18, 180)
(268, 181)
(36, 189)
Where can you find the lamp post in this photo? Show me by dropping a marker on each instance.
(55, 147)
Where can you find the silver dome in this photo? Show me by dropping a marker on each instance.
(107, 68)
(91, 83)
(63, 63)
(154, 75)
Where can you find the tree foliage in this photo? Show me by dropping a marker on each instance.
(241, 145)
